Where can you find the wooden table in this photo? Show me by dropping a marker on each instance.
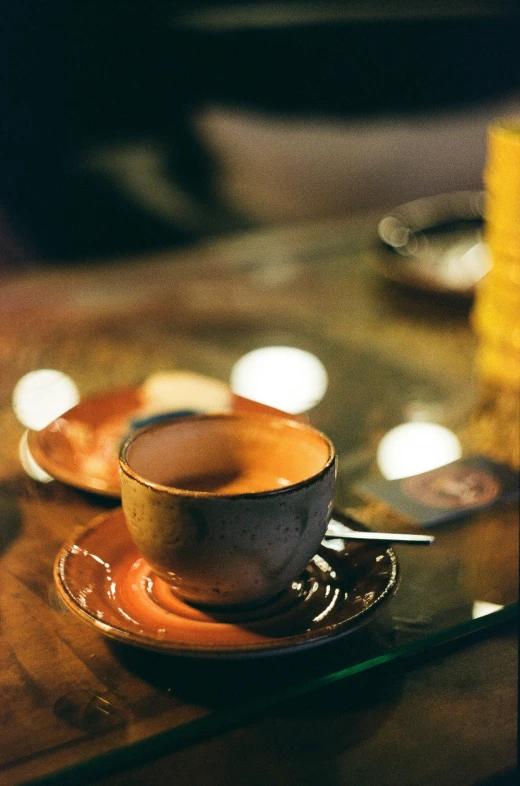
(392, 703)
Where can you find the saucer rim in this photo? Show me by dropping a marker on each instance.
(70, 477)
(272, 646)
(62, 472)
(96, 484)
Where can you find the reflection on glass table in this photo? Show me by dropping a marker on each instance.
(109, 701)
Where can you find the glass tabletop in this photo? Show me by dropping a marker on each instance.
(97, 704)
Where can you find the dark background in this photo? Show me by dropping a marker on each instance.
(99, 76)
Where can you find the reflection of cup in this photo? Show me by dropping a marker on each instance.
(228, 508)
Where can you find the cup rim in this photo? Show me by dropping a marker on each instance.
(125, 468)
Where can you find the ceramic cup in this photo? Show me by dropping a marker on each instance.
(228, 508)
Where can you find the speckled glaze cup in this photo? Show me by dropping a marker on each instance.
(228, 508)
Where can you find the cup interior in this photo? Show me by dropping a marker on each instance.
(228, 454)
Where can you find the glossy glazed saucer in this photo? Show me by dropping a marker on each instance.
(81, 447)
(102, 578)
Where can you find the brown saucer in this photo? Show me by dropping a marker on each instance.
(102, 578)
(81, 447)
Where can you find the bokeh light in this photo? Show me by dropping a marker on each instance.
(482, 608)
(412, 448)
(41, 396)
(286, 378)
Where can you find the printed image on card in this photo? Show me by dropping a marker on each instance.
(445, 493)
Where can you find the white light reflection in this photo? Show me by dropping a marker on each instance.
(465, 267)
(329, 607)
(322, 564)
(43, 395)
(412, 448)
(482, 607)
(29, 464)
(286, 378)
(335, 544)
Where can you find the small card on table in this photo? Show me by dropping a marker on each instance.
(449, 492)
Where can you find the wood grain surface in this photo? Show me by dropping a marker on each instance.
(68, 693)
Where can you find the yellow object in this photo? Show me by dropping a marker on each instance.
(499, 364)
(496, 312)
